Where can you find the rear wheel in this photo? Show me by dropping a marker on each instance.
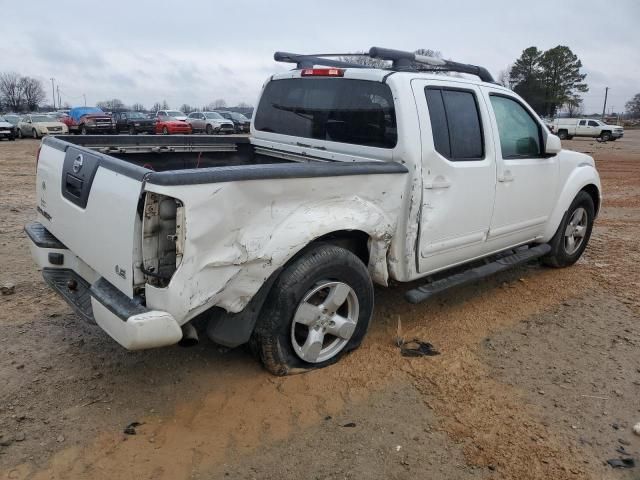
(34, 133)
(571, 238)
(318, 309)
(562, 134)
(20, 134)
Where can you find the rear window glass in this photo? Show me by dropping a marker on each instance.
(339, 110)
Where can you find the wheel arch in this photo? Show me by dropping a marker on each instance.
(584, 178)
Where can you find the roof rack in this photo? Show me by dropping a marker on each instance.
(401, 62)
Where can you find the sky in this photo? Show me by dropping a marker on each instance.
(198, 51)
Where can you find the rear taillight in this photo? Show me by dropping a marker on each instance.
(322, 72)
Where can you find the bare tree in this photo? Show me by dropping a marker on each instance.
(574, 105)
(156, 106)
(32, 92)
(112, 105)
(244, 105)
(165, 105)
(186, 108)
(11, 92)
(137, 107)
(219, 103)
(362, 58)
(505, 79)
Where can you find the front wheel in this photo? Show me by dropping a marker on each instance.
(83, 130)
(605, 136)
(132, 130)
(209, 130)
(165, 131)
(34, 133)
(318, 309)
(573, 234)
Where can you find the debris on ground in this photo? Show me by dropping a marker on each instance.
(8, 288)
(131, 428)
(636, 428)
(621, 462)
(349, 425)
(417, 348)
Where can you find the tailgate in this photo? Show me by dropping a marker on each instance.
(89, 202)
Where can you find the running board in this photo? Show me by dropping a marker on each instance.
(425, 292)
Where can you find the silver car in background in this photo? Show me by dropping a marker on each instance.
(39, 125)
(210, 123)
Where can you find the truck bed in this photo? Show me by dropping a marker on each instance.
(160, 153)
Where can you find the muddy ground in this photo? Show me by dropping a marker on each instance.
(538, 377)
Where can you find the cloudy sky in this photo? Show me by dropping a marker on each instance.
(197, 51)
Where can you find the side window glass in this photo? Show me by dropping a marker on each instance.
(583, 123)
(455, 123)
(593, 124)
(519, 132)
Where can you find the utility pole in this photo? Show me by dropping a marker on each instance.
(59, 101)
(604, 107)
(85, 99)
(53, 91)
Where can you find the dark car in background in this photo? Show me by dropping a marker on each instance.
(241, 123)
(7, 129)
(133, 123)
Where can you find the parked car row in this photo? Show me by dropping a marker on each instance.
(93, 120)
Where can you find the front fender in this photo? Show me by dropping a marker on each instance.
(583, 175)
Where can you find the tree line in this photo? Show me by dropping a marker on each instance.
(116, 104)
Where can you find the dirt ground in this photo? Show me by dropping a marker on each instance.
(538, 377)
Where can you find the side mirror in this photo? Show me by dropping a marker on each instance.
(553, 145)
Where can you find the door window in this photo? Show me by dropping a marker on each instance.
(520, 135)
(583, 123)
(593, 124)
(455, 123)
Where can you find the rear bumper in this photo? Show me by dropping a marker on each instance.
(92, 297)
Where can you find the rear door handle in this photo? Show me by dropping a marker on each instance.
(507, 177)
(438, 184)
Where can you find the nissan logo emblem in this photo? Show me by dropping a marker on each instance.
(77, 163)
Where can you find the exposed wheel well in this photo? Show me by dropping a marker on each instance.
(355, 241)
(592, 190)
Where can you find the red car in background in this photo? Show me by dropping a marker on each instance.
(172, 126)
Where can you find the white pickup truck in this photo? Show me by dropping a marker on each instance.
(567, 128)
(351, 176)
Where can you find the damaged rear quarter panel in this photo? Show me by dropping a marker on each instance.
(238, 233)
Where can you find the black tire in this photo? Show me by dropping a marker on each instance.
(34, 134)
(83, 130)
(569, 137)
(273, 335)
(132, 130)
(165, 131)
(20, 134)
(559, 256)
(209, 129)
(563, 134)
(605, 136)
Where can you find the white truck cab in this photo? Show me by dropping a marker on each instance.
(567, 128)
(352, 176)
